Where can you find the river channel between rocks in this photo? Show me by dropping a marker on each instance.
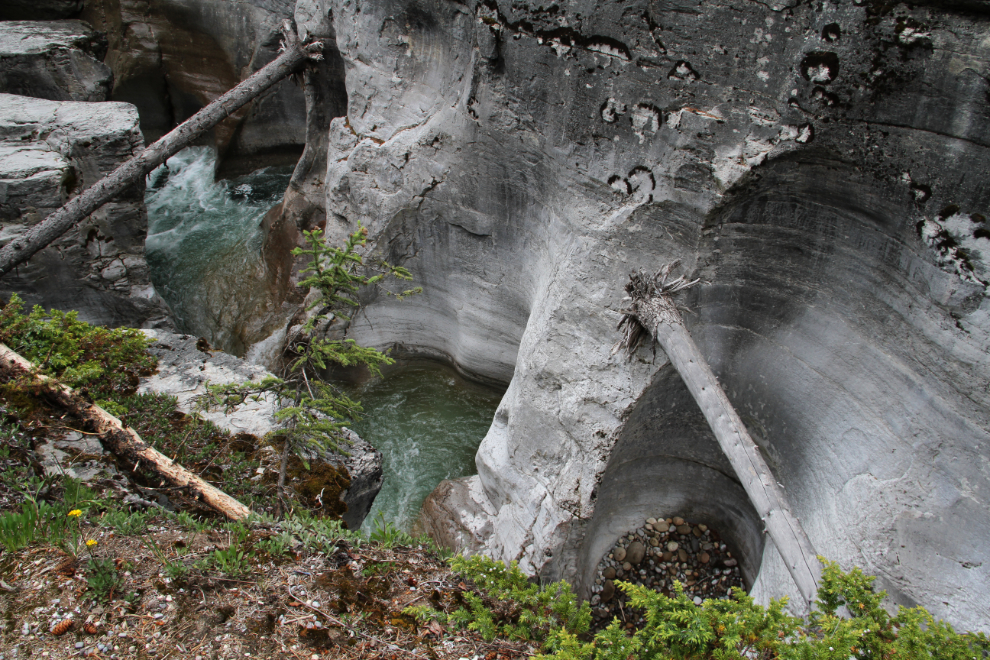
(203, 248)
(427, 421)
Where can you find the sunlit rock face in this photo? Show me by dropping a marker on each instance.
(52, 150)
(821, 167)
(172, 57)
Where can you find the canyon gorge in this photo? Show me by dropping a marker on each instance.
(821, 167)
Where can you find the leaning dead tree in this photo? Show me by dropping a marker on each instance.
(653, 314)
(123, 442)
(51, 228)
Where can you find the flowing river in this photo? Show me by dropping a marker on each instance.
(204, 243)
(203, 249)
(427, 420)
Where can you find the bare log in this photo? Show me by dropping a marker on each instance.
(121, 441)
(653, 313)
(23, 248)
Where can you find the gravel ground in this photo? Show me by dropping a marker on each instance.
(654, 556)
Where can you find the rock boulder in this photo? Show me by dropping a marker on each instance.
(50, 151)
(55, 60)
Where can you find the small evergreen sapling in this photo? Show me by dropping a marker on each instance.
(313, 413)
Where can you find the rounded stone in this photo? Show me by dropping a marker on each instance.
(672, 546)
(683, 529)
(626, 566)
(635, 552)
(704, 558)
(619, 554)
(661, 526)
(608, 591)
(678, 521)
(667, 556)
(651, 521)
(682, 555)
(609, 573)
(654, 542)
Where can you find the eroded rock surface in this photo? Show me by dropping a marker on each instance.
(172, 57)
(818, 165)
(187, 364)
(55, 60)
(50, 151)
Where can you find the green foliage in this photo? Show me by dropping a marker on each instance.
(108, 362)
(379, 568)
(18, 530)
(102, 577)
(313, 413)
(676, 628)
(318, 534)
(387, 534)
(41, 520)
(526, 611)
(276, 545)
(190, 522)
(126, 523)
(232, 560)
(174, 568)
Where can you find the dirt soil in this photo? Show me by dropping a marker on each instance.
(344, 605)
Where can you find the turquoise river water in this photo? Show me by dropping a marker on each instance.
(203, 248)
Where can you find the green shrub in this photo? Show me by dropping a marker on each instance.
(18, 530)
(387, 534)
(676, 628)
(126, 523)
(108, 362)
(522, 610)
(102, 577)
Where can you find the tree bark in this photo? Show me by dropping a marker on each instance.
(653, 312)
(123, 442)
(23, 248)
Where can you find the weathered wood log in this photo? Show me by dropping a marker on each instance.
(121, 441)
(652, 312)
(23, 248)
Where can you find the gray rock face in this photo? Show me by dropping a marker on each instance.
(55, 60)
(818, 165)
(50, 151)
(184, 369)
(172, 57)
(39, 10)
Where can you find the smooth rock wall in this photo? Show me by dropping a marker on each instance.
(821, 166)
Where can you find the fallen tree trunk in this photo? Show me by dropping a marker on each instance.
(123, 442)
(23, 248)
(653, 313)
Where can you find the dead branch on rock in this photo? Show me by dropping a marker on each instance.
(653, 313)
(293, 54)
(123, 442)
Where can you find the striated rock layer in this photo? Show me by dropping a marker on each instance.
(50, 151)
(822, 168)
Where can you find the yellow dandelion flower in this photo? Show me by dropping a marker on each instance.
(75, 513)
(90, 543)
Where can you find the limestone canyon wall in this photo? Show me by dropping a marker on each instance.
(821, 166)
(172, 57)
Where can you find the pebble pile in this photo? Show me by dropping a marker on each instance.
(654, 556)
